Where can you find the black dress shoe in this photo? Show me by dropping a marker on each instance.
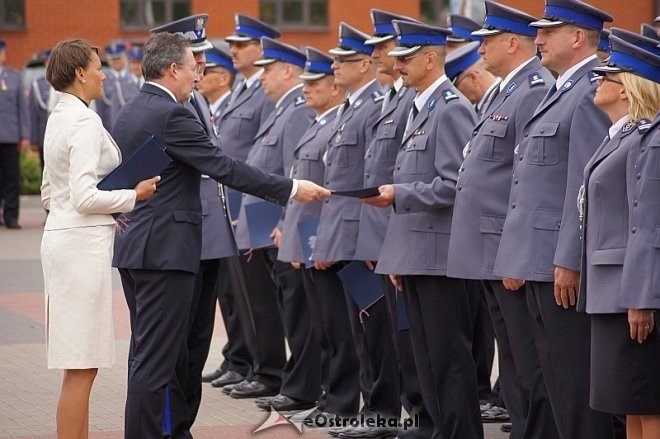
(208, 377)
(12, 224)
(283, 403)
(506, 427)
(367, 432)
(230, 387)
(253, 390)
(227, 378)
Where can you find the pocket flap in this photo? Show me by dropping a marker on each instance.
(610, 256)
(269, 140)
(495, 129)
(417, 143)
(188, 216)
(491, 224)
(430, 223)
(386, 131)
(545, 129)
(244, 113)
(547, 219)
(346, 139)
(309, 155)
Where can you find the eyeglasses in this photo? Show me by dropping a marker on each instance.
(406, 59)
(607, 78)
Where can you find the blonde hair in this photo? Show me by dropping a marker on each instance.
(643, 94)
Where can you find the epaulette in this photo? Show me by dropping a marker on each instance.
(536, 79)
(300, 100)
(593, 77)
(378, 96)
(643, 125)
(449, 95)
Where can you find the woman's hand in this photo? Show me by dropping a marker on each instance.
(146, 188)
(641, 323)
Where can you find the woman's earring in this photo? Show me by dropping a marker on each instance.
(83, 81)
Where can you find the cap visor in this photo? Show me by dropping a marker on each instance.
(201, 47)
(264, 62)
(404, 51)
(486, 32)
(607, 69)
(312, 76)
(544, 22)
(377, 40)
(238, 38)
(342, 52)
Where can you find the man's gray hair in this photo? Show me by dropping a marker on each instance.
(162, 50)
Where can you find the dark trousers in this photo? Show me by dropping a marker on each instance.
(563, 341)
(483, 339)
(375, 347)
(521, 379)
(200, 331)
(339, 362)
(234, 308)
(441, 332)
(9, 179)
(411, 394)
(159, 303)
(301, 376)
(267, 345)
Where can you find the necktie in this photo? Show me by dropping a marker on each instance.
(551, 92)
(238, 90)
(411, 118)
(388, 98)
(343, 108)
(489, 101)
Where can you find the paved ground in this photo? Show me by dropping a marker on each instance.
(29, 391)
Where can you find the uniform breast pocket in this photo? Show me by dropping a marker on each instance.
(386, 148)
(267, 151)
(490, 149)
(347, 150)
(543, 149)
(652, 166)
(245, 119)
(306, 162)
(415, 158)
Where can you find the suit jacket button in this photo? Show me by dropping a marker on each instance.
(635, 203)
(639, 176)
(327, 201)
(634, 230)
(520, 158)
(459, 187)
(513, 205)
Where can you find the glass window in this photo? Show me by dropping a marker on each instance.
(12, 14)
(295, 14)
(140, 14)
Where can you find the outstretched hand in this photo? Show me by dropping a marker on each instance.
(309, 191)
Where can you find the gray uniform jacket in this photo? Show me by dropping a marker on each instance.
(125, 89)
(605, 223)
(13, 107)
(484, 181)
(640, 282)
(344, 170)
(217, 234)
(379, 169)
(38, 107)
(425, 174)
(273, 147)
(541, 230)
(308, 165)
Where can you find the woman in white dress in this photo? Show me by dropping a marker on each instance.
(76, 250)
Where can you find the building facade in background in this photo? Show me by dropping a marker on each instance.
(29, 26)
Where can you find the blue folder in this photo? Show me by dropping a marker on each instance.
(307, 232)
(147, 161)
(262, 217)
(364, 286)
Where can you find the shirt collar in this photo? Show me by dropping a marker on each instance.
(489, 93)
(420, 99)
(162, 87)
(618, 125)
(354, 96)
(254, 78)
(513, 73)
(561, 80)
(325, 113)
(398, 84)
(291, 90)
(214, 106)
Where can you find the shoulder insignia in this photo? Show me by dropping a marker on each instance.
(323, 121)
(300, 100)
(377, 96)
(432, 103)
(511, 88)
(568, 85)
(449, 95)
(593, 77)
(627, 127)
(357, 103)
(536, 79)
(643, 125)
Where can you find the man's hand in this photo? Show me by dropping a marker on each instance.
(512, 284)
(296, 265)
(641, 323)
(23, 145)
(567, 285)
(385, 199)
(323, 265)
(308, 191)
(277, 237)
(397, 282)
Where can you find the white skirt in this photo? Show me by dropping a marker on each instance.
(78, 288)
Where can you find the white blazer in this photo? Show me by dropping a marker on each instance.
(78, 153)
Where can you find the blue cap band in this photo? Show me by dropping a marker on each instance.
(252, 32)
(578, 18)
(357, 45)
(507, 25)
(635, 65)
(454, 69)
(384, 29)
(604, 45)
(319, 67)
(284, 56)
(411, 40)
(464, 32)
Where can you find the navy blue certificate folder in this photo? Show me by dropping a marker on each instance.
(364, 286)
(147, 161)
(262, 217)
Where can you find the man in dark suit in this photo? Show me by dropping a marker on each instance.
(540, 244)
(159, 252)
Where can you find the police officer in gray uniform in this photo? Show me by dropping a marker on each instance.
(38, 107)
(480, 208)
(217, 237)
(119, 86)
(351, 134)
(14, 136)
(417, 239)
(540, 246)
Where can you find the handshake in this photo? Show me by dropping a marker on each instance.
(309, 191)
